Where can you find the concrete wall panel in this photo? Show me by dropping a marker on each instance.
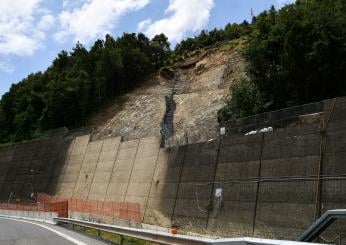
(101, 177)
(240, 149)
(159, 211)
(6, 155)
(283, 220)
(60, 165)
(279, 144)
(104, 169)
(116, 192)
(335, 141)
(191, 208)
(143, 172)
(142, 176)
(121, 173)
(294, 166)
(145, 163)
(288, 192)
(164, 190)
(235, 219)
(237, 170)
(98, 191)
(195, 188)
(164, 187)
(138, 189)
(121, 177)
(74, 165)
(123, 164)
(242, 192)
(334, 163)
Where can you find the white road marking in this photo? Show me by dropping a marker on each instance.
(67, 237)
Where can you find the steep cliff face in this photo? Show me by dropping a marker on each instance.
(178, 104)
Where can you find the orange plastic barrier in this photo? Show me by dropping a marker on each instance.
(59, 207)
(121, 210)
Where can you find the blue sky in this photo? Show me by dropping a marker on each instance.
(32, 32)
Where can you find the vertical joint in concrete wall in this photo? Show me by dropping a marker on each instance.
(81, 164)
(133, 164)
(179, 181)
(211, 204)
(320, 164)
(67, 159)
(151, 184)
(258, 185)
(56, 157)
(93, 177)
(112, 170)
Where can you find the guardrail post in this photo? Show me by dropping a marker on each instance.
(121, 240)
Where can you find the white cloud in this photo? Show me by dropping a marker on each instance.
(5, 67)
(19, 34)
(284, 2)
(182, 16)
(93, 18)
(143, 24)
(46, 22)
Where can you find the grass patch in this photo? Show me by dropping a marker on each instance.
(109, 237)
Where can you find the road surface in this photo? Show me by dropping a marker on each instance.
(17, 232)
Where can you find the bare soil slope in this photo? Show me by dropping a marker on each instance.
(182, 105)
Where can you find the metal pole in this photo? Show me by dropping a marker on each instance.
(121, 240)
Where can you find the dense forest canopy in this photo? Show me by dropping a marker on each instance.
(77, 83)
(294, 55)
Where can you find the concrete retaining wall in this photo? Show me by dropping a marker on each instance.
(121, 172)
(193, 200)
(239, 158)
(142, 173)
(28, 167)
(74, 161)
(258, 185)
(6, 155)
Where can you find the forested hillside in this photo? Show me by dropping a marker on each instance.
(294, 55)
(77, 83)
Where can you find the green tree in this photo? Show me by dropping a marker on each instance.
(297, 55)
(160, 50)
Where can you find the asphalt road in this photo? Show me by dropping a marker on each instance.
(14, 232)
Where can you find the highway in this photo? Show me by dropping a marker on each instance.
(18, 232)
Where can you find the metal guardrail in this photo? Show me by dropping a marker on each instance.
(167, 238)
(322, 224)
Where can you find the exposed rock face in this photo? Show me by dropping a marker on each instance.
(181, 106)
